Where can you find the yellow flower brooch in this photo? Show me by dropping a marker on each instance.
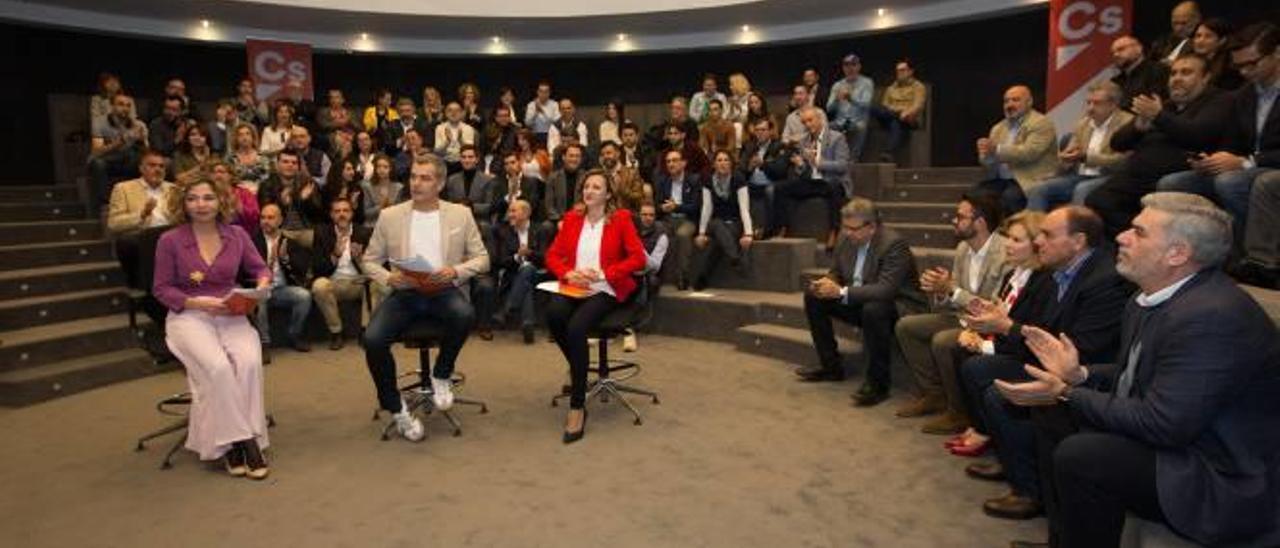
(196, 277)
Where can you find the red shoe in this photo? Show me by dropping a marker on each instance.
(970, 450)
(954, 441)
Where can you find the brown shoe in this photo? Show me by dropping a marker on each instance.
(949, 424)
(921, 406)
(1012, 506)
(990, 471)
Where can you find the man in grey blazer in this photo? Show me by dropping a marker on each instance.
(929, 340)
(471, 186)
(873, 281)
(434, 248)
(819, 168)
(1181, 428)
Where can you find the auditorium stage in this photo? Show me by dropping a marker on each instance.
(737, 454)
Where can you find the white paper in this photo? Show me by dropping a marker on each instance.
(553, 286)
(417, 263)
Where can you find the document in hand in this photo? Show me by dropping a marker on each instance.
(573, 291)
(240, 301)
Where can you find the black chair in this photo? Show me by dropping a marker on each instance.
(632, 316)
(423, 335)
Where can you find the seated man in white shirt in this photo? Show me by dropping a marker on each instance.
(519, 248)
(335, 263)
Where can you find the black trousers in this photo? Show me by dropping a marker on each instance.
(1101, 476)
(569, 320)
(876, 319)
(787, 193)
(1008, 191)
(1118, 201)
(724, 235)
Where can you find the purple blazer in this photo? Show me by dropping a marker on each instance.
(181, 272)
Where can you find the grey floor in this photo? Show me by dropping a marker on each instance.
(737, 454)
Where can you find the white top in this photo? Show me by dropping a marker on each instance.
(273, 261)
(588, 258)
(553, 135)
(160, 213)
(531, 169)
(1097, 140)
(345, 268)
(425, 238)
(677, 190)
(1159, 297)
(609, 132)
(450, 138)
(273, 140)
(976, 259)
(366, 167)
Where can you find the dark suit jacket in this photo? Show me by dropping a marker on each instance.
(1148, 78)
(295, 262)
(394, 131)
(889, 271)
(1206, 396)
(690, 196)
(505, 244)
(1242, 129)
(323, 242)
(775, 164)
(1089, 312)
(529, 192)
(480, 198)
(561, 192)
(312, 210)
(1174, 134)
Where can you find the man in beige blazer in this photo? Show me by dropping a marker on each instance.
(1088, 159)
(433, 247)
(929, 340)
(1020, 152)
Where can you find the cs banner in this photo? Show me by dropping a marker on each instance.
(280, 69)
(1080, 36)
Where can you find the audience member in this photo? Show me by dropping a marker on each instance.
(1261, 263)
(197, 264)
(452, 135)
(758, 108)
(432, 112)
(193, 151)
(564, 186)
(224, 123)
(1135, 73)
(289, 265)
(469, 99)
(812, 83)
(724, 225)
(507, 98)
(1183, 21)
(315, 162)
(378, 116)
(249, 165)
(334, 115)
(873, 281)
(1019, 153)
(541, 112)
(635, 154)
(819, 168)
(695, 159)
(299, 197)
(249, 109)
(380, 191)
(700, 102)
(471, 187)
(163, 131)
(1161, 139)
(337, 269)
(428, 263)
(1088, 158)
(567, 124)
(344, 182)
(793, 129)
(520, 246)
(717, 133)
(115, 148)
(534, 161)
(1210, 42)
(659, 134)
(849, 104)
(500, 137)
(597, 252)
(244, 201)
(763, 163)
(901, 107)
(514, 185)
(1180, 416)
(414, 147)
(654, 237)
(930, 340)
(101, 104)
(396, 138)
(614, 117)
(276, 136)
(629, 190)
(678, 194)
(736, 106)
(176, 87)
(137, 211)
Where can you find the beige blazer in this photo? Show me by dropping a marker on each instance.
(462, 247)
(1107, 160)
(1033, 155)
(993, 268)
(128, 199)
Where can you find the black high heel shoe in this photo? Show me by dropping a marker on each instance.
(570, 437)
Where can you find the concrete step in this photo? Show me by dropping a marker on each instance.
(712, 315)
(926, 234)
(63, 307)
(1268, 298)
(53, 380)
(50, 280)
(917, 212)
(789, 344)
(41, 211)
(941, 192)
(34, 346)
(49, 231)
(926, 257)
(772, 266)
(25, 256)
(943, 175)
(38, 194)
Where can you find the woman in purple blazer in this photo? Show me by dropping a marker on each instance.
(197, 265)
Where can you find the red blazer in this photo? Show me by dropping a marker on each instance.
(621, 251)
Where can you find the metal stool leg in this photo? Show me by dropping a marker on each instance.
(177, 425)
(168, 457)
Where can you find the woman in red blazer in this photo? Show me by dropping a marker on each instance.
(594, 256)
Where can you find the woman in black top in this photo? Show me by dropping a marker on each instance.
(725, 225)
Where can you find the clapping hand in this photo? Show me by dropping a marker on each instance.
(1044, 390)
(824, 288)
(986, 318)
(1058, 354)
(1218, 162)
(1147, 106)
(936, 280)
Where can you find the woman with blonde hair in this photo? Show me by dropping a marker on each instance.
(244, 201)
(198, 263)
(250, 166)
(736, 108)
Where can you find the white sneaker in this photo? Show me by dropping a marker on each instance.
(629, 342)
(442, 393)
(409, 426)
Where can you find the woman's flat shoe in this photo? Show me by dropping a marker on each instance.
(255, 461)
(570, 437)
(234, 461)
(971, 450)
(954, 441)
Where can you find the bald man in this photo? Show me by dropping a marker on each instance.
(1135, 74)
(1019, 153)
(1182, 25)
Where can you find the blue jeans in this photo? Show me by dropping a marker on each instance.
(1062, 189)
(520, 293)
(297, 300)
(894, 125)
(401, 308)
(1010, 427)
(1229, 189)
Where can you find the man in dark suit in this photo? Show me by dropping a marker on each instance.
(1183, 21)
(873, 281)
(290, 265)
(564, 184)
(471, 187)
(1162, 137)
(393, 140)
(519, 248)
(679, 200)
(1135, 74)
(1180, 427)
(763, 163)
(513, 185)
(819, 168)
(1083, 298)
(335, 264)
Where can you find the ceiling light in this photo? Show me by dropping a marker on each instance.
(880, 12)
(746, 28)
(364, 36)
(496, 39)
(622, 37)
(204, 23)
